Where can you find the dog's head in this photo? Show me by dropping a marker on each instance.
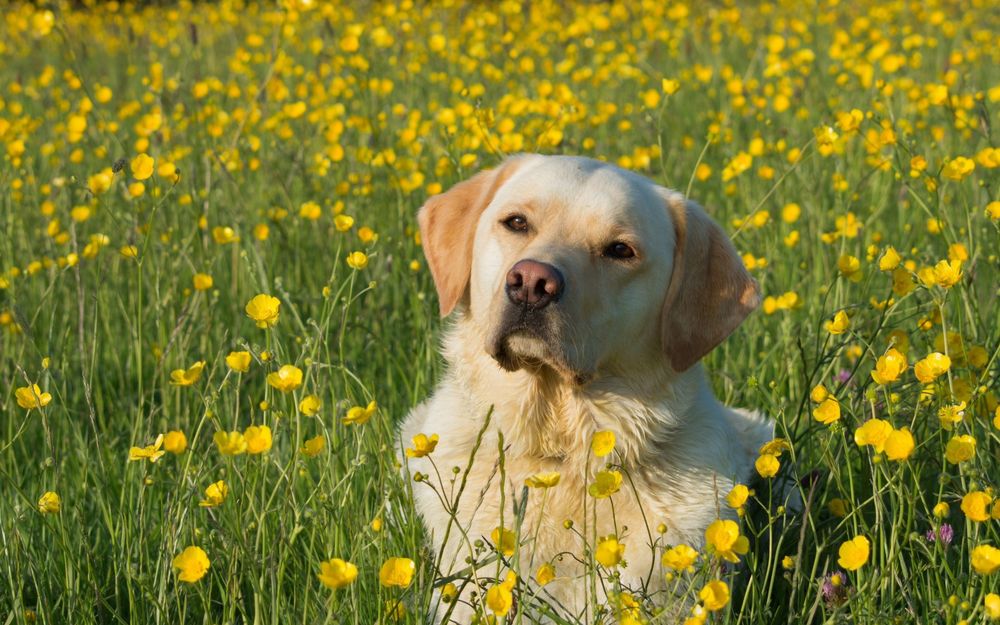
(583, 267)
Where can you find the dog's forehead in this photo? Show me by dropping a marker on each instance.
(583, 187)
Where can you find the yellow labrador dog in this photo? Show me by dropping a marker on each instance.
(582, 297)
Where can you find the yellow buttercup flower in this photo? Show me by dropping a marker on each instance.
(902, 281)
(202, 281)
(168, 171)
(818, 393)
(958, 168)
(724, 539)
(336, 573)
(960, 449)
(669, 86)
(258, 439)
(606, 483)
(504, 540)
(310, 405)
(609, 551)
(602, 443)
(286, 379)
(187, 377)
(367, 235)
(899, 444)
(985, 559)
(357, 260)
(142, 166)
(775, 447)
(449, 592)
(397, 572)
(357, 415)
(264, 310)
(224, 235)
(976, 506)
(239, 361)
(546, 573)
(839, 324)
(714, 595)
(951, 415)
(993, 210)
(679, 557)
(941, 510)
(343, 223)
(50, 503)
(543, 480)
(738, 496)
(149, 452)
(230, 443)
(500, 598)
(294, 110)
(791, 212)
(215, 495)
(42, 23)
(314, 446)
(310, 210)
(889, 367)
(853, 554)
(849, 121)
(890, 259)
(767, 465)
(873, 432)
(991, 606)
(175, 442)
(828, 411)
(849, 267)
(191, 564)
(29, 397)
(958, 252)
(947, 273)
(422, 446)
(933, 366)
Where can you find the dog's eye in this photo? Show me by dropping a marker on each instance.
(516, 223)
(619, 250)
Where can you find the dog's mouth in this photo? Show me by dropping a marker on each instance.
(520, 348)
(526, 339)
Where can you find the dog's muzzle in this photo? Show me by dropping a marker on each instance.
(530, 287)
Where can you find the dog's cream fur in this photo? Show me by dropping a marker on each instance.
(620, 353)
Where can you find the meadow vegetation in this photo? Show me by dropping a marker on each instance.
(214, 308)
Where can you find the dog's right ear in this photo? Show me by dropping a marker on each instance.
(448, 227)
(710, 290)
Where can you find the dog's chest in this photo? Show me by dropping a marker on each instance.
(560, 525)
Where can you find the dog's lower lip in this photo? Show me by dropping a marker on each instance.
(503, 355)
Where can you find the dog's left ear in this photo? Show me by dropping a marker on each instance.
(448, 227)
(710, 291)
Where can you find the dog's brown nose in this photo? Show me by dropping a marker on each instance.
(533, 284)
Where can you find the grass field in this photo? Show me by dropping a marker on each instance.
(164, 165)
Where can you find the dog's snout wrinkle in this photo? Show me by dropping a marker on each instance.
(533, 284)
